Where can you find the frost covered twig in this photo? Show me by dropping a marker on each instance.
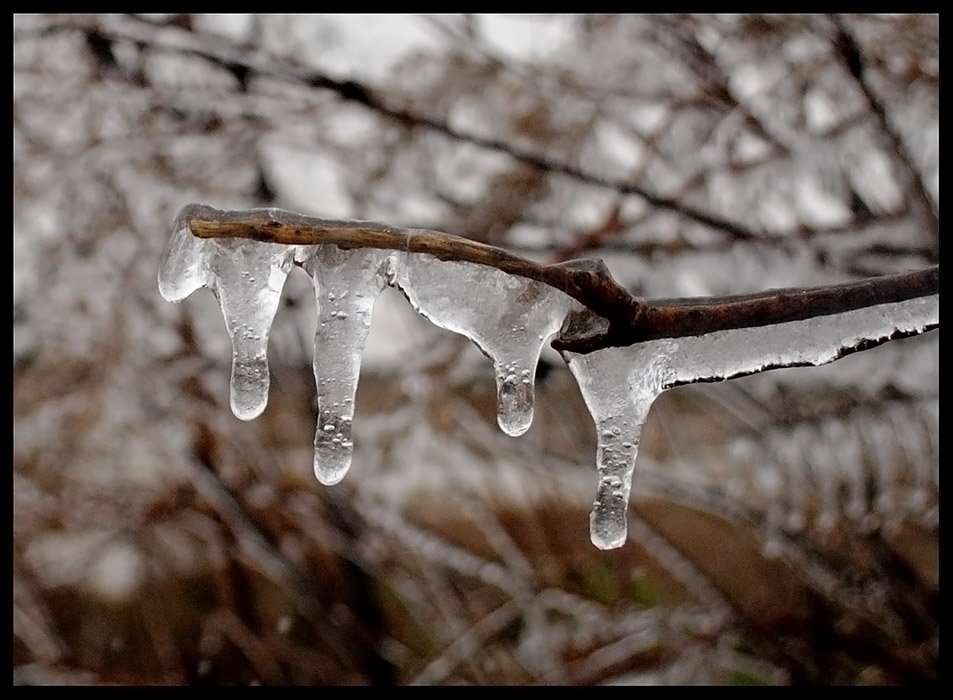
(623, 351)
(587, 281)
(631, 320)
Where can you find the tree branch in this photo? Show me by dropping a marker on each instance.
(630, 319)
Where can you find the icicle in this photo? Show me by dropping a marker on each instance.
(182, 268)
(619, 386)
(346, 285)
(246, 278)
(509, 318)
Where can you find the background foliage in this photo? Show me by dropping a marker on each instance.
(783, 527)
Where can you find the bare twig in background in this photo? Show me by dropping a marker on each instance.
(850, 53)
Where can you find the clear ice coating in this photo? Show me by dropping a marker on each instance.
(346, 285)
(509, 318)
(620, 384)
(183, 268)
(246, 278)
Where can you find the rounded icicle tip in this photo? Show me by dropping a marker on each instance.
(514, 404)
(333, 448)
(603, 538)
(608, 528)
(331, 469)
(249, 388)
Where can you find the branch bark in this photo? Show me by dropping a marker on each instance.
(630, 319)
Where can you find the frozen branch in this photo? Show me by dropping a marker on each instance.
(630, 319)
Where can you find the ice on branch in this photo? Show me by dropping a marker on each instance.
(620, 384)
(508, 317)
(246, 278)
(346, 285)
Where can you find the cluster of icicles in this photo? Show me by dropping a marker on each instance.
(509, 318)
